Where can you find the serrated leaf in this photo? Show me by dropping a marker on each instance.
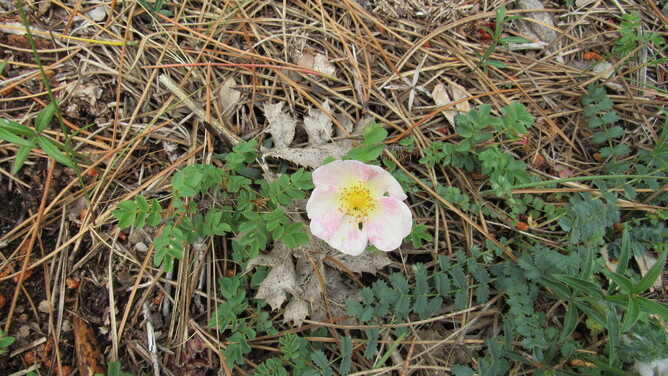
(399, 282)
(461, 299)
(461, 370)
(366, 153)
(402, 306)
(319, 358)
(442, 284)
(421, 284)
(346, 355)
(458, 276)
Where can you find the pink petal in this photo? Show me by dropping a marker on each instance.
(388, 224)
(341, 173)
(381, 181)
(348, 238)
(323, 210)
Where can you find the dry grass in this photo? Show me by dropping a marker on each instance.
(135, 132)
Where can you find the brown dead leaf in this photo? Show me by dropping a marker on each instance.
(442, 98)
(367, 262)
(87, 348)
(319, 128)
(318, 125)
(317, 62)
(281, 125)
(538, 161)
(228, 96)
(280, 280)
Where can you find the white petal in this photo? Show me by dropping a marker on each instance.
(341, 173)
(348, 238)
(388, 224)
(381, 181)
(323, 210)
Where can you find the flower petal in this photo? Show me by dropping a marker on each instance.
(323, 210)
(341, 173)
(348, 238)
(381, 181)
(388, 224)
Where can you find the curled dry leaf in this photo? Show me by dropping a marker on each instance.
(228, 96)
(441, 98)
(367, 262)
(317, 62)
(319, 128)
(310, 157)
(542, 28)
(280, 280)
(318, 125)
(281, 125)
(337, 291)
(99, 13)
(87, 348)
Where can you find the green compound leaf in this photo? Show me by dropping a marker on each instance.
(374, 134)
(320, 360)
(347, 355)
(125, 213)
(461, 370)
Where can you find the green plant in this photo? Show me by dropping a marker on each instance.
(372, 146)
(5, 341)
(632, 35)
(210, 201)
(599, 114)
(239, 319)
(475, 150)
(396, 302)
(114, 369)
(497, 40)
(28, 138)
(649, 164)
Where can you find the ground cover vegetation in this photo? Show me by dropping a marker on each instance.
(156, 159)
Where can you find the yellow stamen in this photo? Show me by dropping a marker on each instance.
(356, 201)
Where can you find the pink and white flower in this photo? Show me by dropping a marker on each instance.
(354, 203)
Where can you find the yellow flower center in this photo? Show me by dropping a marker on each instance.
(356, 201)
